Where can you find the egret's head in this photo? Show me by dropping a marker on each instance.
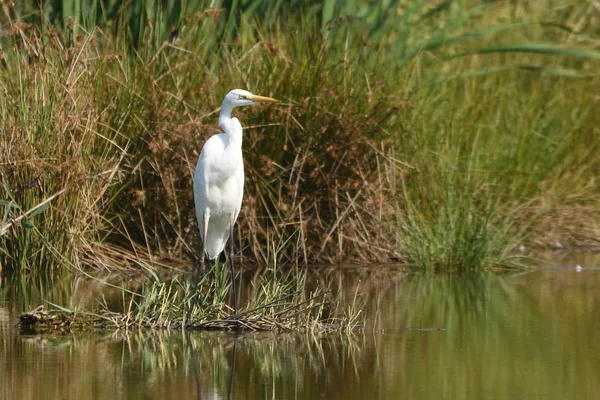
(239, 97)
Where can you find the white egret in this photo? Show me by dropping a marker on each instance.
(219, 184)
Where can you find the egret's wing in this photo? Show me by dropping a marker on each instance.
(213, 146)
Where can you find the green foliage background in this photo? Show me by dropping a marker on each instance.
(443, 134)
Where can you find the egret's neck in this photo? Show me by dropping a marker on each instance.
(230, 126)
(225, 115)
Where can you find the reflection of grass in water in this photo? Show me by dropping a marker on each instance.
(497, 339)
(287, 364)
(140, 363)
(22, 293)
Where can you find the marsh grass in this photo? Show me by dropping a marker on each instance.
(276, 301)
(456, 235)
(438, 134)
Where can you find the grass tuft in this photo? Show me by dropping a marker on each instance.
(276, 301)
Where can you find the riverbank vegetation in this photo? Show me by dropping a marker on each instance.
(271, 301)
(440, 134)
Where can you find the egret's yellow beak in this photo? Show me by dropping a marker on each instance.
(262, 99)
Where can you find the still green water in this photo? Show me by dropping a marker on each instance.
(527, 335)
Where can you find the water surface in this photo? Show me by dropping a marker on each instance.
(522, 335)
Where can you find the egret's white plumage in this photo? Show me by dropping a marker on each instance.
(219, 187)
(219, 176)
(219, 180)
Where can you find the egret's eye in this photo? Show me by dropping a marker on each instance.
(242, 97)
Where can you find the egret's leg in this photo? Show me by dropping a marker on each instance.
(199, 270)
(235, 305)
